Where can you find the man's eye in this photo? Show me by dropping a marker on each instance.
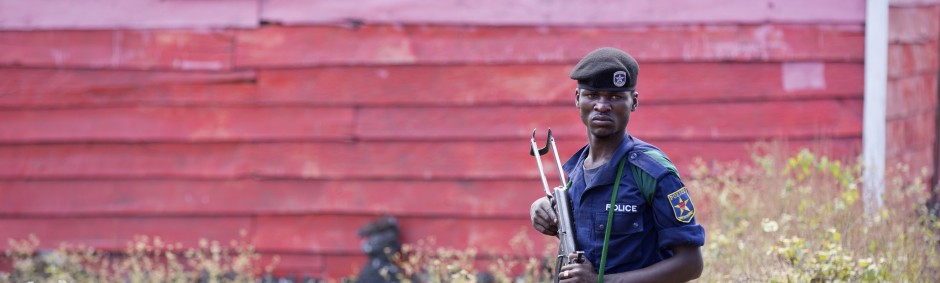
(616, 97)
(592, 96)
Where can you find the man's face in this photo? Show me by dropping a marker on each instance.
(605, 114)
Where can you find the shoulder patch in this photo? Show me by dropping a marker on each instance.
(682, 205)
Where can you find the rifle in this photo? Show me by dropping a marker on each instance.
(561, 203)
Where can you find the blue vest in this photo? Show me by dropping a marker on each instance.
(642, 231)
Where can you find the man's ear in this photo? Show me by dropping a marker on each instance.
(577, 97)
(636, 102)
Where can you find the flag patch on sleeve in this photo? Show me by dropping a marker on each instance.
(682, 205)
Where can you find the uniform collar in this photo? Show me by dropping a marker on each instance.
(607, 173)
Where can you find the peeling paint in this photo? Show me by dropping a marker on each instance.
(196, 65)
(799, 76)
(310, 170)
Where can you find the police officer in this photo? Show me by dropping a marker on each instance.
(652, 234)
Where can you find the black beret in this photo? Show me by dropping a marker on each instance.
(606, 69)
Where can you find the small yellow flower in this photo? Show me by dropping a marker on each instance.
(865, 262)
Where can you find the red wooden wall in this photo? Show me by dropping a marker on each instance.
(913, 70)
(294, 122)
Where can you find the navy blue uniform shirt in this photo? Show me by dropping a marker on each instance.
(642, 232)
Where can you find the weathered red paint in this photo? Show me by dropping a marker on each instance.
(913, 132)
(112, 49)
(306, 233)
(43, 88)
(425, 160)
(913, 24)
(41, 82)
(169, 197)
(273, 46)
(908, 95)
(912, 89)
(531, 84)
(343, 265)
(331, 160)
(177, 124)
(907, 59)
(750, 121)
(542, 84)
(114, 233)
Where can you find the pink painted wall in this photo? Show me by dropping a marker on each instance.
(110, 14)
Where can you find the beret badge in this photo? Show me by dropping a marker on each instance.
(620, 78)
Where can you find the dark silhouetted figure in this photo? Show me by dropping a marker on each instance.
(381, 244)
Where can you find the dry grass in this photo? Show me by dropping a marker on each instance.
(801, 219)
(143, 260)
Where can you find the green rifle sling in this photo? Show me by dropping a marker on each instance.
(610, 220)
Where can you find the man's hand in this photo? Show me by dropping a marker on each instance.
(577, 272)
(543, 217)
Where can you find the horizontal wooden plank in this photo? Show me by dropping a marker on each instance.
(908, 59)
(124, 49)
(911, 95)
(23, 88)
(267, 197)
(784, 119)
(298, 265)
(109, 14)
(422, 160)
(533, 12)
(337, 234)
(549, 83)
(274, 46)
(342, 265)
(115, 233)
(913, 24)
(372, 160)
(407, 85)
(912, 132)
(179, 124)
(41, 82)
(780, 119)
(529, 84)
(313, 233)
